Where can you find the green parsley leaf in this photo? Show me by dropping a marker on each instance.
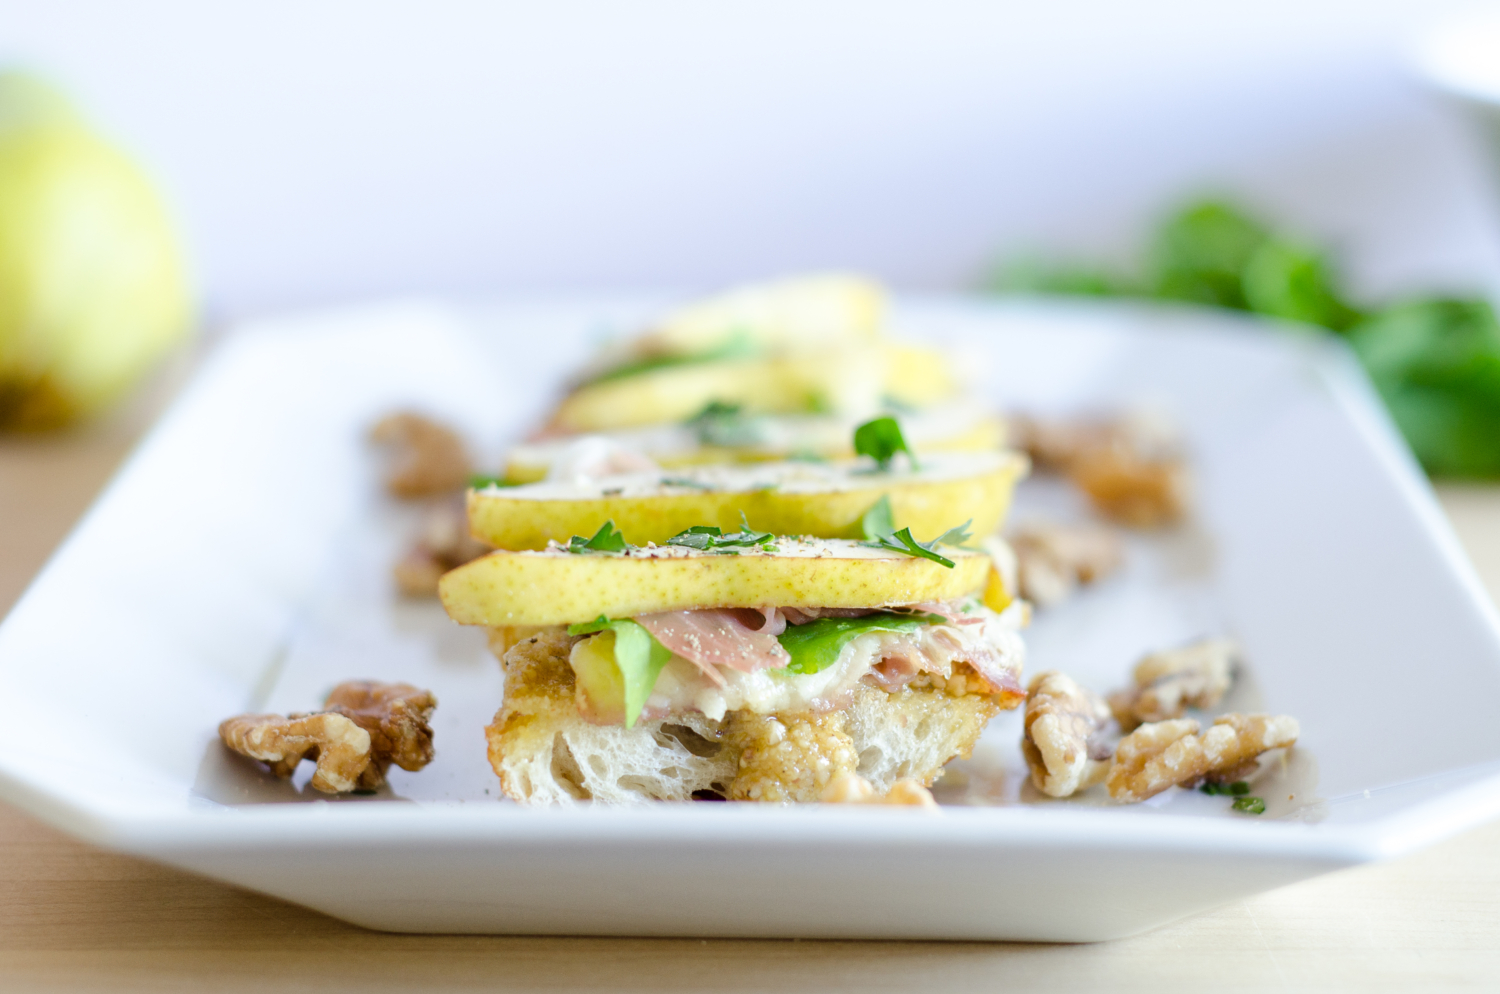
(816, 645)
(902, 541)
(877, 522)
(711, 538)
(881, 439)
(638, 655)
(606, 539)
(958, 537)
(481, 482)
(1249, 805)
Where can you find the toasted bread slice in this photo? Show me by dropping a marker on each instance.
(545, 753)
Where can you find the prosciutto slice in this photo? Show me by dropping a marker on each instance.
(721, 637)
(950, 610)
(802, 615)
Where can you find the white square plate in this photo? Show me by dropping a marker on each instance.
(240, 560)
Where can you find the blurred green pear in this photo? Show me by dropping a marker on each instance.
(93, 284)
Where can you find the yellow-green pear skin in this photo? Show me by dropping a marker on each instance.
(929, 507)
(558, 588)
(93, 282)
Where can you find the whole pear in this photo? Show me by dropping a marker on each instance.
(93, 283)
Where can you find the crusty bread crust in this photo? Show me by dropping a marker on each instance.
(545, 753)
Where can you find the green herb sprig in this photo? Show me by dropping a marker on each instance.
(712, 538)
(1237, 789)
(1240, 791)
(902, 541)
(1435, 360)
(606, 539)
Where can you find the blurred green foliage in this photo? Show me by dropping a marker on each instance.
(1435, 361)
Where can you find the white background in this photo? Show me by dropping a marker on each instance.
(321, 152)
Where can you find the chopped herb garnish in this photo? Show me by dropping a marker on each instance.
(1237, 789)
(711, 538)
(881, 439)
(877, 522)
(958, 537)
(725, 424)
(481, 482)
(606, 539)
(1249, 805)
(682, 481)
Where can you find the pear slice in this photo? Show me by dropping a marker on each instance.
(958, 426)
(826, 500)
(840, 378)
(555, 587)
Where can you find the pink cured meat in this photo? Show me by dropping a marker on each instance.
(720, 637)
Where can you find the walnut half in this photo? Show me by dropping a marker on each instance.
(364, 727)
(1130, 466)
(1167, 754)
(427, 458)
(1053, 559)
(1060, 744)
(1196, 675)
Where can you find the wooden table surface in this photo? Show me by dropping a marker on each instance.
(75, 918)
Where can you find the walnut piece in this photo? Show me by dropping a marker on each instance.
(851, 788)
(340, 747)
(364, 727)
(395, 715)
(1131, 467)
(445, 544)
(1053, 559)
(1172, 753)
(1196, 675)
(427, 458)
(1060, 743)
(1142, 493)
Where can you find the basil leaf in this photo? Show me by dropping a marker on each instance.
(638, 655)
(606, 539)
(877, 522)
(816, 645)
(1436, 364)
(881, 439)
